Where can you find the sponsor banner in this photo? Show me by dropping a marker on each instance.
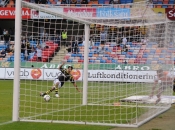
(35, 74)
(122, 76)
(159, 11)
(9, 13)
(117, 13)
(139, 67)
(42, 15)
(50, 74)
(170, 13)
(93, 75)
(2, 74)
(80, 12)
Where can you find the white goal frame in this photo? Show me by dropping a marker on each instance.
(16, 88)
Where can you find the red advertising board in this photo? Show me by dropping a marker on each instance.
(80, 12)
(9, 13)
(170, 13)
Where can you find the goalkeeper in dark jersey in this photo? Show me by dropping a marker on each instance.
(65, 75)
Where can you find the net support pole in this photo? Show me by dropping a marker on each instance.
(86, 61)
(17, 57)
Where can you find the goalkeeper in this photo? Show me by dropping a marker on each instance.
(163, 81)
(65, 75)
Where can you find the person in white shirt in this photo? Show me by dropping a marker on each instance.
(91, 43)
(39, 53)
(45, 36)
(124, 41)
(163, 81)
(103, 37)
(144, 41)
(4, 31)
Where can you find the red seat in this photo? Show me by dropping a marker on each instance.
(49, 53)
(170, 6)
(137, 61)
(108, 61)
(142, 62)
(52, 49)
(165, 2)
(143, 59)
(49, 42)
(66, 57)
(80, 60)
(129, 53)
(45, 58)
(139, 56)
(113, 55)
(114, 48)
(34, 57)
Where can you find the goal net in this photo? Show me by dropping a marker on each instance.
(122, 59)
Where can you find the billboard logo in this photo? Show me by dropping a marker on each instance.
(35, 13)
(170, 13)
(76, 74)
(36, 73)
(80, 12)
(113, 13)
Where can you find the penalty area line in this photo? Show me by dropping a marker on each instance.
(50, 112)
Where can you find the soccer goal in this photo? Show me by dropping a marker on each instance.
(115, 52)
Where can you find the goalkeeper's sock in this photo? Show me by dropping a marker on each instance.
(49, 91)
(46, 93)
(56, 90)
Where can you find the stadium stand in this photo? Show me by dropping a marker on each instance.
(78, 3)
(137, 54)
(47, 53)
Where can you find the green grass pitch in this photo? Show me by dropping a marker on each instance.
(69, 106)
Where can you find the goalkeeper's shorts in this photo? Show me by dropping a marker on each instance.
(57, 83)
(174, 87)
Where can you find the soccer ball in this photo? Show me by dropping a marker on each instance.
(46, 98)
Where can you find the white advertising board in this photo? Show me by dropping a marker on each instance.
(93, 75)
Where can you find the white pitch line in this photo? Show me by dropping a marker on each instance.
(126, 105)
(51, 112)
(5, 123)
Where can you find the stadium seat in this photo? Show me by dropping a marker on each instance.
(106, 55)
(73, 55)
(148, 62)
(99, 58)
(101, 1)
(129, 1)
(75, 60)
(122, 1)
(69, 60)
(114, 61)
(120, 60)
(154, 1)
(165, 2)
(164, 6)
(97, 61)
(102, 61)
(91, 61)
(90, 55)
(80, 60)
(108, 61)
(109, 58)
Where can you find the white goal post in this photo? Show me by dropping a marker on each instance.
(116, 74)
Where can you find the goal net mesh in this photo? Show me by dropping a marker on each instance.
(127, 45)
